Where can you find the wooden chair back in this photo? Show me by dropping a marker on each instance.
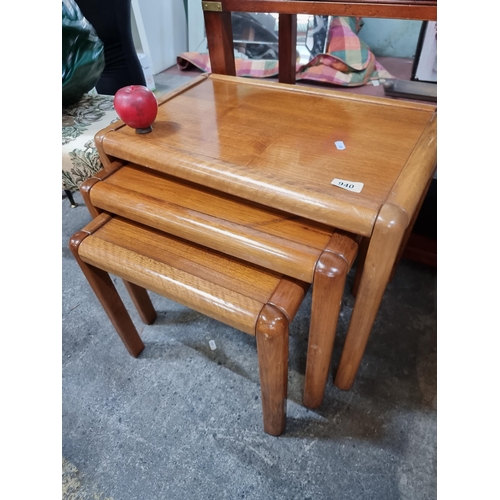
(219, 30)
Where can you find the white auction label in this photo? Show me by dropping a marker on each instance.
(339, 145)
(355, 187)
(212, 345)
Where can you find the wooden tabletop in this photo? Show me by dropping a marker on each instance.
(276, 144)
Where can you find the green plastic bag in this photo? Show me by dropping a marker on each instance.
(82, 54)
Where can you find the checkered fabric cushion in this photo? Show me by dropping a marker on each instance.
(348, 61)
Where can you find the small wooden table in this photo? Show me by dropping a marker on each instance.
(282, 146)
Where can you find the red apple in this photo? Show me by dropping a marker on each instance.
(137, 106)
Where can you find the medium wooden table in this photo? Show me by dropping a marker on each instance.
(282, 146)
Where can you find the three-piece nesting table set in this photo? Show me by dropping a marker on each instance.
(244, 195)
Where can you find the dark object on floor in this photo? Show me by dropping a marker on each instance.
(412, 90)
(426, 223)
(112, 22)
(69, 195)
(422, 244)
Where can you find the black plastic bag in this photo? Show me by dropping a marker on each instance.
(82, 54)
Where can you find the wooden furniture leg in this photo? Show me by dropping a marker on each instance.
(363, 247)
(382, 251)
(142, 302)
(287, 43)
(107, 295)
(409, 229)
(219, 32)
(328, 288)
(362, 250)
(272, 349)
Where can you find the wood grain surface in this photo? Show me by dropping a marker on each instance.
(214, 284)
(264, 236)
(275, 144)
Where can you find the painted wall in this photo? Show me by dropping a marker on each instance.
(160, 31)
(196, 29)
(391, 37)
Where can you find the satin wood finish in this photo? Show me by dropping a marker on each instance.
(329, 281)
(266, 162)
(386, 240)
(246, 138)
(259, 141)
(272, 348)
(106, 292)
(246, 297)
(267, 237)
(139, 296)
(392, 222)
(273, 239)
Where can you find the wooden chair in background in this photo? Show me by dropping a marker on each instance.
(219, 30)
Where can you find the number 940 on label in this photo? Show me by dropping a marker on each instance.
(355, 187)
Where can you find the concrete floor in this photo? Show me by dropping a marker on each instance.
(184, 422)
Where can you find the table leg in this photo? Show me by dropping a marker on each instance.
(328, 288)
(142, 302)
(272, 348)
(327, 292)
(409, 229)
(382, 252)
(363, 249)
(109, 298)
(287, 40)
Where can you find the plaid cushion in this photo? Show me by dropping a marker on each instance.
(348, 61)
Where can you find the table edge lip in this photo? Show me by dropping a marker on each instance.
(365, 213)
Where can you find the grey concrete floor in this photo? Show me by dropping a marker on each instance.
(183, 421)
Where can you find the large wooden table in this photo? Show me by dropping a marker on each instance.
(275, 144)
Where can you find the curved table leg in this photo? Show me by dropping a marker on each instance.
(382, 252)
(272, 349)
(142, 302)
(363, 249)
(328, 288)
(105, 291)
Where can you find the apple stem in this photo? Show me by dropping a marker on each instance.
(144, 130)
